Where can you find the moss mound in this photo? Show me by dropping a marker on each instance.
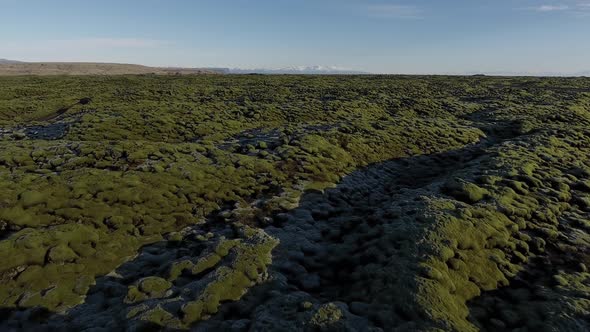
(410, 203)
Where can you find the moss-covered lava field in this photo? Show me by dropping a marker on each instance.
(294, 203)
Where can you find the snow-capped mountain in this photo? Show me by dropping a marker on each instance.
(301, 70)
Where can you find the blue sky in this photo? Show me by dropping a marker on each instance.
(382, 36)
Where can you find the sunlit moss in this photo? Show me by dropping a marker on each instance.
(150, 156)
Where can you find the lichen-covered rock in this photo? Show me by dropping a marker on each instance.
(229, 283)
(148, 288)
(326, 315)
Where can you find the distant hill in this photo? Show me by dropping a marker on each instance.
(14, 68)
(6, 62)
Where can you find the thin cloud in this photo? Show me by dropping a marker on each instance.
(395, 11)
(571, 7)
(81, 49)
(110, 42)
(583, 8)
(552, 8)
(82, 44)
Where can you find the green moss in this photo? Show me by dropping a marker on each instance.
(32, 198)
(224, 247)
(161, 317)
(147, 161)
(135, 295)
(136, 310)
(306, 305)
(206, 262)
(326, 315)
(61, 254)
(178, 267)
(468, 192)
(229, 283)
(154, 286)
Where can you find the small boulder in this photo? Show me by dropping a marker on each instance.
(327, 315)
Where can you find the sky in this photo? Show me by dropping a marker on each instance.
(379, 36)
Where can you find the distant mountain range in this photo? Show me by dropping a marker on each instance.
(303, 70)
(13, 67)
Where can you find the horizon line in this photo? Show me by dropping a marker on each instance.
(321, 68)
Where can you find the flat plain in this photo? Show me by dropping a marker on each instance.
(289, 203)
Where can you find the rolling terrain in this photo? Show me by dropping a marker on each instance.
(290, 203)
(17, 68)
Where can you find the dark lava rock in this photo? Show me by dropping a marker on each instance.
(49, 132)
(85, 101)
